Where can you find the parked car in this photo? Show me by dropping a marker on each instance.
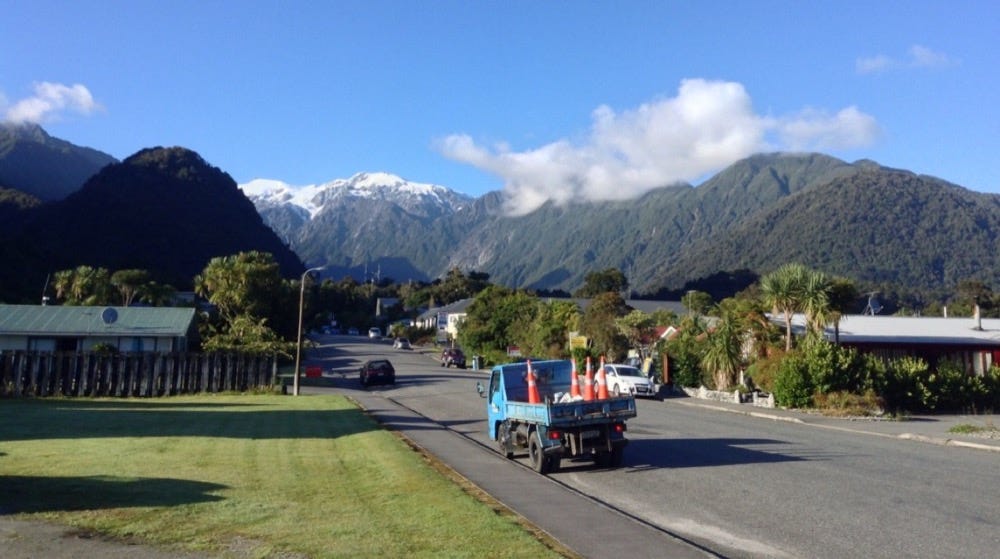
(452, 356)
(352, 331)
(626, 379)
(377, 371)
(375, 333)
(401, 343)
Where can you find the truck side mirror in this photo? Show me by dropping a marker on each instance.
(480, 389)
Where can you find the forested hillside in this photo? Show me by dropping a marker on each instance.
(163, 209)
(878, 226)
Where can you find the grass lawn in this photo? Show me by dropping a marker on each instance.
(255, 475)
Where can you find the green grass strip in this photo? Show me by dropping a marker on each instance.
(256, 475)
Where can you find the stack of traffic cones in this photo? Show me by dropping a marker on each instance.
(533, 396)
(602, 382)
(588, 383)
(574, 383)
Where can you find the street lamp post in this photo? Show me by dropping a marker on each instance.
(298, 344)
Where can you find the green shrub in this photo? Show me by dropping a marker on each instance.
(684, 353)
(763, 371)
(904, 387)
(988, 401)
(793, 386)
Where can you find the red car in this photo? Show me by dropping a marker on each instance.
(453, 356)
(377, 371)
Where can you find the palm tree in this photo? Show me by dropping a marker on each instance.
(794, 288)
(782, 291)
(63, 284)
(816, 301)
(723, 355)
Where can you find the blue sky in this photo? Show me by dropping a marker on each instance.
(548, 100)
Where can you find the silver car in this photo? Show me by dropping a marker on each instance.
(626, 379)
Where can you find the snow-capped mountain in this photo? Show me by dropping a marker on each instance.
(419, 199)
(370, 218)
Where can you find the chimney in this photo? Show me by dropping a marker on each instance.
(977, 317)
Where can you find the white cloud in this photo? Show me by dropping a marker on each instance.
(874, 64)
(49, 101)
(708, 125)
(813, 130)
(923, 57)
(919, 57)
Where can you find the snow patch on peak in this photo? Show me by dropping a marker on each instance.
(373, 186)
(269, 192)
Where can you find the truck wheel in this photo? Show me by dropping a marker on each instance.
(616, 457)
(503, 440)
(535, 455)
(602, 458)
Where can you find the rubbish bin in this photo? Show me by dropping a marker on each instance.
(475, 362)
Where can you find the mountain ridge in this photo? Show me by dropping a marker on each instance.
(43, 166)
(875, 224)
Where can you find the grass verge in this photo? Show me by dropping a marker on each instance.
(246, 476)
(970, 429)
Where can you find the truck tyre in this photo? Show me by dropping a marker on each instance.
(617, 457)
(612, 459)
(536, 456)
(503, 440)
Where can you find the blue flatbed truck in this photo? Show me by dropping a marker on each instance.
(555, 428)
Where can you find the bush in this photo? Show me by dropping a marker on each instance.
(684, 363)
(763, 372)
(988, 401)
(902, 387)
(793, 386)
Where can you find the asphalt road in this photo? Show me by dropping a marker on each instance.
(732, 485)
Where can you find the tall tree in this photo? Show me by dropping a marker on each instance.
(795, 288)
(782, 291)
(244, 283)
(637, 327)
(129, 284)
(697, 302)
(723, 352)
(611, 280)
(599, 324)
(816, 300)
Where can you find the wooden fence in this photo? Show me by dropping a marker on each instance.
(39, 374)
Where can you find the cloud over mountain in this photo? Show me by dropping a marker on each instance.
(705, 127)
(48, 102)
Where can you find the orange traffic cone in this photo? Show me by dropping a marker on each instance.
(574, 383)
(533, 396)
(588, 383)
(602, 383)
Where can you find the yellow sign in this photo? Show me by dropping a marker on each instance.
(579, 342)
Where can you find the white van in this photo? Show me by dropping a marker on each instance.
(374, 333)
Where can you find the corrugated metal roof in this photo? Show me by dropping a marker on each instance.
(37, 320)
(909, 329)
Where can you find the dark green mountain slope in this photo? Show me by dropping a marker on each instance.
(45, 167)
(878, 225)
(162, 209)
(555, 247)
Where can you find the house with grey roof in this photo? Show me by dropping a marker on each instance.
(973, 342)
(70, 328)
